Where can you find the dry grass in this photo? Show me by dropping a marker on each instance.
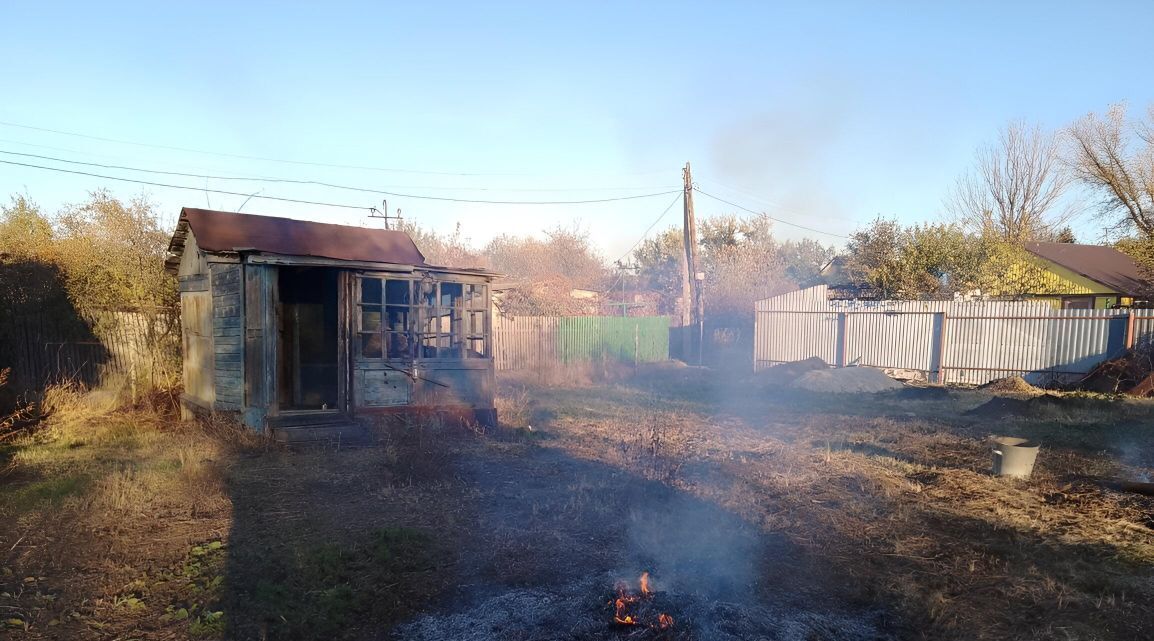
(895, 498)
(124, 523)
(102, 509)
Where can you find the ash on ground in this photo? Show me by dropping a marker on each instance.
(582, 611)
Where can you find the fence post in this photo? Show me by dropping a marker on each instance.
(842, 338)
(636, 343)
(1130, 329)
(941, 347)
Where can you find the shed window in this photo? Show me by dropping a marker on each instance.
(386, 311)
(422, 319)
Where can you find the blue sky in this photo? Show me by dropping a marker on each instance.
(823, 114)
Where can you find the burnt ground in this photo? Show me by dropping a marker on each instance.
(758, 513)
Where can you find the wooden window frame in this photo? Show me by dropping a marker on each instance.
(435, 329)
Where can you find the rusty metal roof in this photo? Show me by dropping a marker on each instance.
(223, 231)
(1099, 263)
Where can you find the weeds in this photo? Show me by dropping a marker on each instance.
(659, 447)
(325, 590)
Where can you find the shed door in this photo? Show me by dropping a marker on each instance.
(309, 363)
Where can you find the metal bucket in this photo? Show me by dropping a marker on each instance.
(1014, 457)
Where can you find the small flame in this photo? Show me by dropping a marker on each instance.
(626, 599)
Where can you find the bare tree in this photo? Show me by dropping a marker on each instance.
(1101, 158)
(1014, 190)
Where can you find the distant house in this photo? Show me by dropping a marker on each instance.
(307, 328)
(836, 277)
(1088, 276)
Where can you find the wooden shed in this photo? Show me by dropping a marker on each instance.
(308, 328)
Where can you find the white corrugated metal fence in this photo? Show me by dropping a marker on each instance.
(945, 341)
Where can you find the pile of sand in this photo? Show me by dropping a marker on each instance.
(846, 380)
(787, 373)
(1012, 385)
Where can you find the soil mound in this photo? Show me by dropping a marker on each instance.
(914, 393)
(787, 373)
(1011, 385)
(847, 380)
(1132, 373)
(1001, 407)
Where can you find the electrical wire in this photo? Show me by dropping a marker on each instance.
(651, 226)
(643, 235)
(200, 189)
(335, 186)
(761, 213)
(264, 158)
(251, 178)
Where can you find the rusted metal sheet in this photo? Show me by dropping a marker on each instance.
(220, 231)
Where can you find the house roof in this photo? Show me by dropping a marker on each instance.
(223, 231)
(1099, 263)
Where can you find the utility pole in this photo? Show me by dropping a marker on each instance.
(691, 316)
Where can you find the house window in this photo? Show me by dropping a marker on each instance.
(1078, 302)
(404, 319)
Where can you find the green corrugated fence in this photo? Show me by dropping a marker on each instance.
(527, 342)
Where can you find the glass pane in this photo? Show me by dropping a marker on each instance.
(475, 296)
(400, 345)
(428, 346)
(397, 292)
(451, 294)
(398, 318)
(476, 348)
(476, 323)
(370, 290)
(428, 293)
(370, 319)
(371, 345)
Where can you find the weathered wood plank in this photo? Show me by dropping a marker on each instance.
(194, 283)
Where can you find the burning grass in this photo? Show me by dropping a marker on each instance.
(892, 499)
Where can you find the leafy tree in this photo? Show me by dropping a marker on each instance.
(24, 231)
(741, 259)
(940, 260)
(658, 260)
(1065, 235)
(112, 253)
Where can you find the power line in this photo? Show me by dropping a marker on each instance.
(200, 189)
(643, 235)
(761, 213)
(651, 226)
(336, 186)
(252, 178)
(263, 158)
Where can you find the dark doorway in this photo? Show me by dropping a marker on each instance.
(307, 362)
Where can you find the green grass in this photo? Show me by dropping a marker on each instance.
(320, 591)
(47, 492)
